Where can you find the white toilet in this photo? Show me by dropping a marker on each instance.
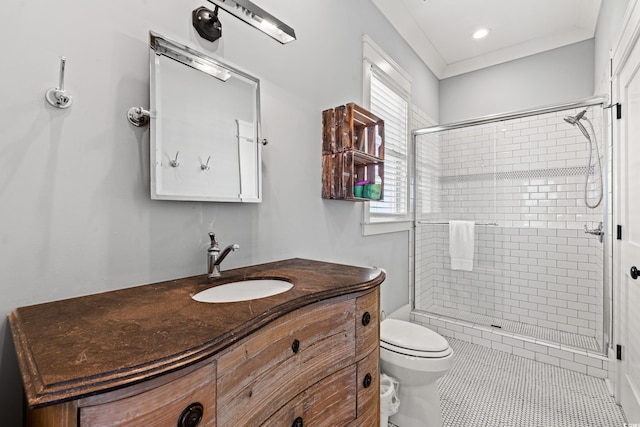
(416, 356)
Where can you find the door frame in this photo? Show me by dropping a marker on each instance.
(630, 33)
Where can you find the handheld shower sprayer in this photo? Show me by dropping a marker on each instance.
(575, 121)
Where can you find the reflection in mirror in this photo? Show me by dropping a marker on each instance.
(205, 123)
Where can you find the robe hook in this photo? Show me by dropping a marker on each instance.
(58, 96)
(174, 163)
(206, 167)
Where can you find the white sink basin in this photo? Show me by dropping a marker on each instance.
(243, 291)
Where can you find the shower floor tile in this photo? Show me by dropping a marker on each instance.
(553, 335)
(490, 388)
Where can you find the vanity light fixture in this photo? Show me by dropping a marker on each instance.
(259, 18)
(206, 23)
(481, 33)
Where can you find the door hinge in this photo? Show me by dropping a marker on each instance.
(618, 109)
(618, 352)
(619, 232)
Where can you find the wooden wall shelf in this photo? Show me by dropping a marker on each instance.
(352, 151)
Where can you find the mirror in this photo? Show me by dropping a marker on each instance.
(205, 123)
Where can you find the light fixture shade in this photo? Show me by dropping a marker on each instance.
(188, 56)
(259, 18)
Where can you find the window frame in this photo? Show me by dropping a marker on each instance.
(398, 80)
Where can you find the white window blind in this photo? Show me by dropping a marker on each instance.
(390, 105)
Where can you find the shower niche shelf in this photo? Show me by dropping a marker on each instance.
(352, 151)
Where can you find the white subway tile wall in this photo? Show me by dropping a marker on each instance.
(537, 267)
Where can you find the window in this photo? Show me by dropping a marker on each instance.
(393, 109)
(386, 94)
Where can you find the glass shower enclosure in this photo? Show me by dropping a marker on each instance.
(535, 185)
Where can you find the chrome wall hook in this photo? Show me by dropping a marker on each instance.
(174, 163)
(58, 96)
(206, 167)
(264, 141)
(138, 116)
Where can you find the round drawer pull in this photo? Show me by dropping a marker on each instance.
(295, 347)
(297, 422)
(367, 381)
(366, 318)
(191, 416)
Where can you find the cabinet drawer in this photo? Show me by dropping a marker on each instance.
(257, 376)
(367, 420)
(369, 387)
(367, 322)
(162, 406)
(331, 402)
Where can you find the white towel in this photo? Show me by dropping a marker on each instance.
(461, 244)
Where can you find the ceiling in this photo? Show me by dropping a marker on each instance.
(440, 31)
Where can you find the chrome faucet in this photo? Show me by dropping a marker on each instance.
(215, 257)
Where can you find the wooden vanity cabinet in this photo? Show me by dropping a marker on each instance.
(315, 366)
(318, 365)
(330, 402)
(263, 372)
(176, 399)
(181, 402)
(368, 354)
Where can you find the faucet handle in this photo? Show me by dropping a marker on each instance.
(214, 242)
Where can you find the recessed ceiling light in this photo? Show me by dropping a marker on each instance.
(481, 33)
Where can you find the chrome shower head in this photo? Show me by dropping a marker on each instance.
(575, 121)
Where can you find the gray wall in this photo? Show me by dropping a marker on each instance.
(74, 184)
(555, 76)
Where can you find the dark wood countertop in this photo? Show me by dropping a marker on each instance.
(87, 345)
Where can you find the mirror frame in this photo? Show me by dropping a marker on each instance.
(215, 67)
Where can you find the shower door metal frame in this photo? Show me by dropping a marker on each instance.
(603, 101)
(588, 102)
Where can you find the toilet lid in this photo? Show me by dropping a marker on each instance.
(411, 336)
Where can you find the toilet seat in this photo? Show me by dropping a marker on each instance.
(414, 353)
(413, 340)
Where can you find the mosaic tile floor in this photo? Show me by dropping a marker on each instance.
(490, 388)
(580, 341)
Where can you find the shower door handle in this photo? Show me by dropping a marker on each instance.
(599, 231)
(634, 272)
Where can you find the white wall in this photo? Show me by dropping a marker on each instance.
(559, 75)
(607, 33)
(74, 184)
